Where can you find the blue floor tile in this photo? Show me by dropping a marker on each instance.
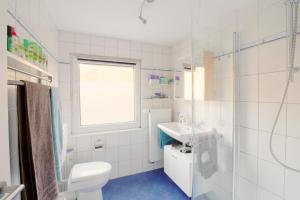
(152, 185)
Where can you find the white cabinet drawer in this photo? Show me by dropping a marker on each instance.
(178, 166)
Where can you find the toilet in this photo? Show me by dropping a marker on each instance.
(87, 179)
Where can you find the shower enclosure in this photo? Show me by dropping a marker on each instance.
(214, 49)
(240, 51)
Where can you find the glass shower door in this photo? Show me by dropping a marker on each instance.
(213, 110)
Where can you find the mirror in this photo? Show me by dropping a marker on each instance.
(203, 80)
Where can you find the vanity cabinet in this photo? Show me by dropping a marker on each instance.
(179, 167)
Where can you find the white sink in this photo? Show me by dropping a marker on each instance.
(181, 132)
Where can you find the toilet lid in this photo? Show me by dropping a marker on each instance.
(88, 171)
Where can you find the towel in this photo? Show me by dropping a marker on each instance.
(207, 155)
(164, 139)
(57, 131)
(35, 143)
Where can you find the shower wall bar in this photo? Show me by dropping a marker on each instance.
(255, 44)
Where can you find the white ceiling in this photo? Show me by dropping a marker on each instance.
(168, 20)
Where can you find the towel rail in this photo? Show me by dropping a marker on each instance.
(15, 82)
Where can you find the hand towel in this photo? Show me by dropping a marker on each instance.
(57, 131)
(35, 143)
(164, 139)
(207, 155)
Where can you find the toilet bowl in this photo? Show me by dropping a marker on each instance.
(87, 179)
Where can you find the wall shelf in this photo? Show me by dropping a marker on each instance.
(17, 63)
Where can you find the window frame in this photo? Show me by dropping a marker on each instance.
(77, 128)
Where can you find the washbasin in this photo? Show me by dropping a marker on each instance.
(183, 133)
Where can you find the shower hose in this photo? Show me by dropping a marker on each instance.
(292, 48)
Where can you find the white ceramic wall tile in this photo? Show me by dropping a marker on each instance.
(266, 174)
(97, 40)
(278, 146)
(66, 36)
(248, 167)
(246, 190)
(82, 39)
(267, 115)
(266, 195)
(267, 93)
(293, 116)
(83, 143)
(272, 19)
(294, 94)
(292, 182)
(292, 146)
(97, 50)
(249, 61)
(248, 141)
(249, 88)
(270, 63)
(249, 115)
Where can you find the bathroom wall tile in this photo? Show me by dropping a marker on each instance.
(292, 146)
(124, 168)
(82, 49)
(248, 141)
(248, 167)
(124, 153)
(136, 151)
(293, 93)
(111, 51)
(266, 195)
(64, 51)
(111, 155)
(249, 115)
(83, 156)
(246, 190)
(137, 46)
(292, 182)
(111, 42)
(266, 173)
(97, 50)
(278, 146)
(97, 40)
(270, 63)
(272, 19)
(123, 52)
(64, 76)
(112, 140)
(249, 88)
(267, 115)
(267, 83)
(147, 59)
(136, 166)
(66, 36)
(83, 143)
(293, 115)
(123, 139)
(249, 61)
(83, 39)
(124, 44)
(135, 54)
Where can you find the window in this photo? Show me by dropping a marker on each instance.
(108, 95)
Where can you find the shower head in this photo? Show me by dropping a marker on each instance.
(143, 20)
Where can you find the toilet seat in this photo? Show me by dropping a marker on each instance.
(89, 171)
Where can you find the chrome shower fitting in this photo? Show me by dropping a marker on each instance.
(143, 20)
